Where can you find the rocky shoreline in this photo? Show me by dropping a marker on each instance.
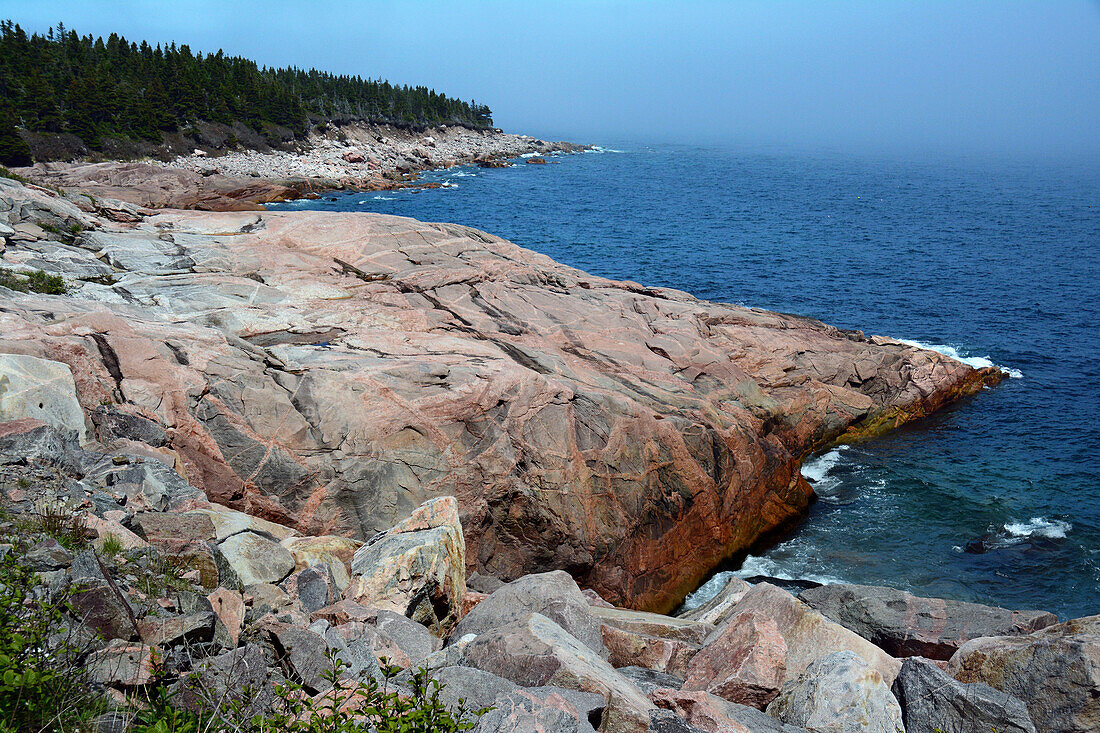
(356, 156)
(333, 371)
(244, 605)
(247, 441)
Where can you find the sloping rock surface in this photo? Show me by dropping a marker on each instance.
(333, 371)
(907, 625)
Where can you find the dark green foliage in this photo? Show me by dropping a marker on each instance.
(33, 282)
(363, 706)
(5, 173)
(14, 150)
(42, 683)
(93, 88)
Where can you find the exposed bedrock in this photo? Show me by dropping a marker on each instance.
(334, 371)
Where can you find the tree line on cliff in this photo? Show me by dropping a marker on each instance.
(94, 88)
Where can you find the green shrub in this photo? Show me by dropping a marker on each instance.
(33, 282)
(56, 520)
(42, 683)
(5, 173)
(365, 705)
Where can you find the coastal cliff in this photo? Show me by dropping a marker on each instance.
(359, 156)
(333, 371)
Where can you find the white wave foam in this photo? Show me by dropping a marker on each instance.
(598, 149)
(1054, 529)
(385, 198)
(817, 468)
(766, 566)
(976, 362)
(816, 471)
(461, 174)
(708, 590)
(448, 184)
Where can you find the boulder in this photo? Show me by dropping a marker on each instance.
(523, 711)
(630, 648)
(172, 630)
(343, 612)
(265, 599)
(839, 693)
(105, 528)
(357, 650)
(171, 532)
(648, 680)
(28, 439)
(1055, 671)
(42, 390)
(744, 662)
(652, 624)
(417, 568)
(666, 721)
(534, 651)
(713, 714)
(331, 551)
(228, 606)
(475, 688)
(314, 587)
(593, 598)
(304, 656)
(719, 608)
(122, 664)
(245, 676)
(100, 605)
(412, 638)
(932, 701)
(228, 522)
(807, 634)
(906, 625)
(47, 554)
(554, 595)
(256, 559)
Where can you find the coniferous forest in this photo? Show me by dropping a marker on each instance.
(63, 83)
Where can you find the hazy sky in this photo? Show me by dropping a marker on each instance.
(1022, 77)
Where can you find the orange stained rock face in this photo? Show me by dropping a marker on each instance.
(633, 436)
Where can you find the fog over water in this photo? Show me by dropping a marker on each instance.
(916, 79)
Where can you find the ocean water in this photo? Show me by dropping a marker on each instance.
(985, 259)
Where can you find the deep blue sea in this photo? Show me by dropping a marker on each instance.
(992, 258)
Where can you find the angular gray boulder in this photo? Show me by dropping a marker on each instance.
(907, 625)
(932, 701)
(256, 559)
(554, 595)
(534, 651)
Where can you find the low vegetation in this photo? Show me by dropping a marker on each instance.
(5, 173)
(33, 282)
(44, 685)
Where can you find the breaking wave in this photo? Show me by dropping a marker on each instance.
(977, 362)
